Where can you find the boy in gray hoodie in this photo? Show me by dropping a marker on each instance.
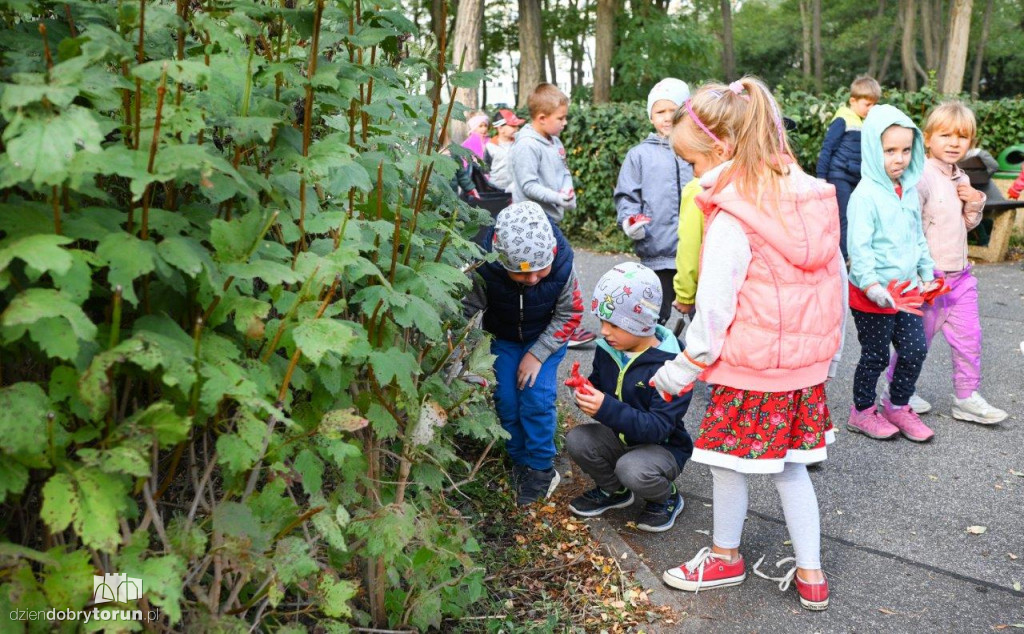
(539, 170)
(647, 195)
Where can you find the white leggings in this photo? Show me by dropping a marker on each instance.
(799, 505)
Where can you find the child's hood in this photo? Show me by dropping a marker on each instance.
(657, 139)
(806, 207)
(872, 162)
(528, 133)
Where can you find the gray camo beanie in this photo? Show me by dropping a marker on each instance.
(628, 296)
(523, 238)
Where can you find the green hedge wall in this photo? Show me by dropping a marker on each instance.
(598, 137)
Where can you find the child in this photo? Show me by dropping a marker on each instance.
(539, 170)
(478, 126)
(950, 208)
(886, 244)
(496, 150)
(647, 195)
(839, 160)
(640, 445)
(767, 328)
(531, 301)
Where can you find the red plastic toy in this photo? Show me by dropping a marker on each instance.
(907, 301)
(578, 381)
(638, 218)
(936, 292)
(1017, 187)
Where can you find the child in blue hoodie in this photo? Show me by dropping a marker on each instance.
(886, 243)
(639, 446)
(647, 195)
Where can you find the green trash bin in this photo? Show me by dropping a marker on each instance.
(1010, 161)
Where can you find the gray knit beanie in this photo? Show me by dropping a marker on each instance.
(523, 238)
(628, 296)
(670, 89)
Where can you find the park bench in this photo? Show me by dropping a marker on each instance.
(997, 223)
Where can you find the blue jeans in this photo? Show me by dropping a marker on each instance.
(528, 415)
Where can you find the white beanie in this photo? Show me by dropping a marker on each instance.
(523, 238)
(628, 296)
(670, 89)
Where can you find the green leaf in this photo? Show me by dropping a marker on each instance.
(42, 149)
(311, 468)
(162, 577)
(317, 337)
(59, 502)
(62, 578)
(161, 419)
(237, 520)
(395, 365)
(129, 258)
(335, 594)
(13, 478)
(389, 530)
(185, 254)
(91, 501)
(122, 459)
(23, 419)
(41, 252)
(232, 240)
(292, 561)
(49, 310)
(272, 273)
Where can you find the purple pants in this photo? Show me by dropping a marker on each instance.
(956, 315)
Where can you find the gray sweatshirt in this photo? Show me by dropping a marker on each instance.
(650, 182)
(540, 172)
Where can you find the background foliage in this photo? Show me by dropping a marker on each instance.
(598, 137)
(230, 272)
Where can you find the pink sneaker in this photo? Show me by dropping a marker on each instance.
(871, 423)
(907, 421)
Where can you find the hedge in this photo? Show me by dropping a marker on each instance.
(598, 137)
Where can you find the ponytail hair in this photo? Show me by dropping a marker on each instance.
(745, 118)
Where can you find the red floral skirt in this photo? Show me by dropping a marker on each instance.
(757, 432)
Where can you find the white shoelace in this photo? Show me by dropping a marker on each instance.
(698, 562)
(785, 579)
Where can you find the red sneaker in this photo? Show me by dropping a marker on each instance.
(813, 596)
(581, 336)
(706, 570)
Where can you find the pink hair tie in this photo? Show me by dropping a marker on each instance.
(737, 87)
(700, 124)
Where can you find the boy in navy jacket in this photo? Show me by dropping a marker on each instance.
(639, 446)
(839, 159)
(530, 297)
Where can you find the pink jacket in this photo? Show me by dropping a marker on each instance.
(945, 218)
(790, 307)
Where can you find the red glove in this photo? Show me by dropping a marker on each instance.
(907, 301)
(1017, 187)
(578, 381)
(941, 289)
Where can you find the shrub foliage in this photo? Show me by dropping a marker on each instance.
(230, 271)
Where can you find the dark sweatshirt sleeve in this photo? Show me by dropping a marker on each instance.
(653, 426)
(832, 138)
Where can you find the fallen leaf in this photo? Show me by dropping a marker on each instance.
(977, 530)
(1016, 586)
(838, 512)
(1019, 474)
(933, 477)
(788, 542)
(886, 611)
(624, 555)
(707, 505)
(701, 531)
(1012, 556)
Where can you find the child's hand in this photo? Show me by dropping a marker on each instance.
(568, 198)
(968, 194)
(635, 226)
(686, 309)
(668, 383)
(589, 403)
(880, 296)
(528, 370)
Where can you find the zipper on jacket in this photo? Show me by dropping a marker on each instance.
(519, 326)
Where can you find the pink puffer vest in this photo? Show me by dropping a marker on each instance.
(789, 308)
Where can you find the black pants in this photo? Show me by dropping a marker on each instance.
(875, 332)
(668, 294)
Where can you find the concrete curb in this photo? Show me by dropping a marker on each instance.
(658, 593)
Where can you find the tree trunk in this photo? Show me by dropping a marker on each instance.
(890, 48)
(728, 52)
(956, 52)
(531, 51)
(805, 32)
(437, 23)
(819, 52)
(604, 45)
(931, 59)
(908, 54)
(979, 56)
(466, 46)
(876, 39)
(552, 68)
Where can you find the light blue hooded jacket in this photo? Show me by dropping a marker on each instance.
(884, 238)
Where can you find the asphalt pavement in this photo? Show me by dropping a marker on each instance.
(894, 514)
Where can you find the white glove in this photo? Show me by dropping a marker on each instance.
(880, 296)
(635, 230)
(568, 199)
(673, 379)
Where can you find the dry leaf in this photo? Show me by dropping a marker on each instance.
(1016, 586)
(977, 530)
(1012, 556)
(788, 542)
(886, 611)
(1019, 474)
(624, 555)
(702, 532)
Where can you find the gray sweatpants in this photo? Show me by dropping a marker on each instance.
(646, 470)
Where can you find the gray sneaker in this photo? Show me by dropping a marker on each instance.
(658, 517)
(537, 485)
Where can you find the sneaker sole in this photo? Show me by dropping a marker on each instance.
(577, 344)
(959, 414)
(693, 586)
(600, 512)
(923, 410)
(858, 430)
(661, 529)
(918, 439)
(815, 606)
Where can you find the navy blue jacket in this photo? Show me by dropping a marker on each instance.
(632, 408)
(516, 312)
(840, 153)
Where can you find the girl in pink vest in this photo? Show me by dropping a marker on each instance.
(767, 331)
